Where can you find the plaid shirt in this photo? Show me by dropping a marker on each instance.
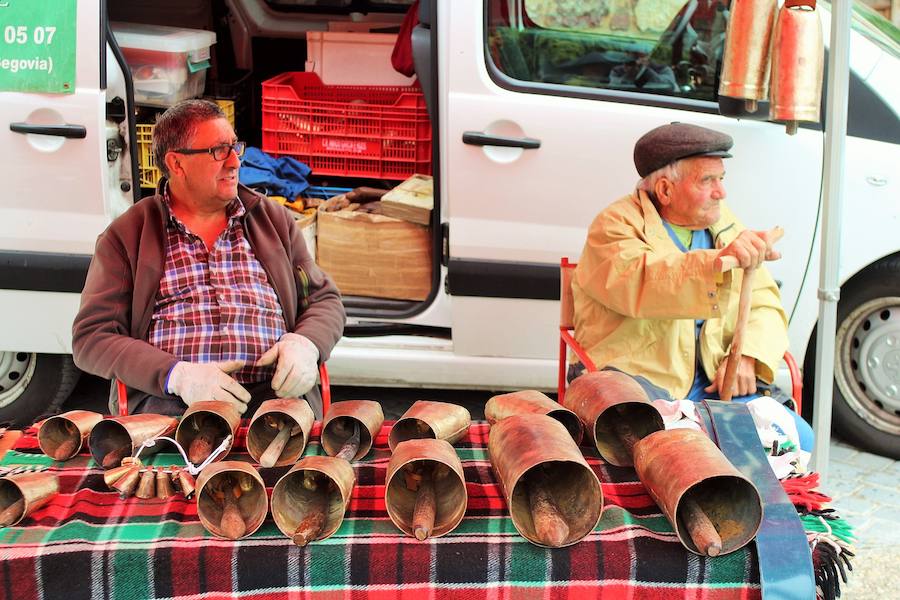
(215, 304)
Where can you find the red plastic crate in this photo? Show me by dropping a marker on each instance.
(350, 130)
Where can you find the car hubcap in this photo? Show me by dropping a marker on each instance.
(867, 366)
(16, 370)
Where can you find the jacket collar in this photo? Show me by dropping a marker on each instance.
(653, 222)
(248, 197)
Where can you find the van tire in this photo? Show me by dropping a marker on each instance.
(866, 407)
(33, 385)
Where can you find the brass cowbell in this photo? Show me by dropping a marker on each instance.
(745, 62)
(798, 58)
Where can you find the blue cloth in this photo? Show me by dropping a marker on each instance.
(702, 240)
(283, 176)
(697, 394)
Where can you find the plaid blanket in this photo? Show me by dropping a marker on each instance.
(87, 543)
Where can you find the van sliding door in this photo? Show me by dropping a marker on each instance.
(544, 103)
(54, 168)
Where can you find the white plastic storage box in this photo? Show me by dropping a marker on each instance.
(168, 64)
(353, 58)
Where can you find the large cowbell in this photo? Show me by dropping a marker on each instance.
(745, 63)
(798, 58)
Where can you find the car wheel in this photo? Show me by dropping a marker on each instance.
(32, 385)
(867, 360)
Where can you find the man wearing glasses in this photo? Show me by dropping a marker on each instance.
(205, 291)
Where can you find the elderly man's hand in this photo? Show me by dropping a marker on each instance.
(744, 381)
(297, 368)
(208, 381)
(750, 249)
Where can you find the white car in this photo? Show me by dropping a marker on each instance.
(534, 109)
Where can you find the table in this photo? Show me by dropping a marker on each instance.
(87, 543)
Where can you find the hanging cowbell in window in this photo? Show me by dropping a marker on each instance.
(798, 58)
(745, 64)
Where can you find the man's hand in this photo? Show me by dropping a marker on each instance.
(744, 381)
(298, 365)
(208, 381)
(750, 249)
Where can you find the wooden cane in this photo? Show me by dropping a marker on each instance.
(737, 341)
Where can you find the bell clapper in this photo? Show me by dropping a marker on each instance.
(351, 444)
(246, 499)
(12, 513)
(313, 522)
(232, 523)
(702, 531)
(202, 444)
(69, 445)
(549, 525)
(425, 510)
(626, 435)
(114, 457)
(246, 482)
(65, 450)
(273, 452)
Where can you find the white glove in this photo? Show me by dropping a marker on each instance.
(208, 381)
(298, 365)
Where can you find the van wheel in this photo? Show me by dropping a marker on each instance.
(32, 385)
(867, 360)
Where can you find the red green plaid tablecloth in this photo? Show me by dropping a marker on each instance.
(87, 543)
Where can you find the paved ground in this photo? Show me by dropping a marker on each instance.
(865, 487)
(866, 491)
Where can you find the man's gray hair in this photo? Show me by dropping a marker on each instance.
(176, 127)
(671, 171)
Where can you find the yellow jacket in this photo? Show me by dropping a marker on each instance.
(637, 295)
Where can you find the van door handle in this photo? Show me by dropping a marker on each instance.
(67, 131)
(479, 138)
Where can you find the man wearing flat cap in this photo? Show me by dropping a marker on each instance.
(650, 296)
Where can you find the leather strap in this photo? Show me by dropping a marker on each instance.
(785, 560)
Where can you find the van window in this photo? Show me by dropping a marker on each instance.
(875, 27)
(358, 5)
(667, 47)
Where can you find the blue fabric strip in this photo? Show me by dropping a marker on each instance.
(785, 560)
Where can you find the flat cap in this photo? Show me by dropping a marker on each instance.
(668, 143)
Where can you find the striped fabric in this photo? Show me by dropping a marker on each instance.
(88, 544)
(216, 304)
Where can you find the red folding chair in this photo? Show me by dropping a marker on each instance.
(568, 342)
(324, 384)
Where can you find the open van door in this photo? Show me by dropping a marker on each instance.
(53, 131)
(543, 104)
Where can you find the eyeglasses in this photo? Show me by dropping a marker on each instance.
(220, 152)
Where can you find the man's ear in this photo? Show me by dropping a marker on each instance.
(663, 191)
(173, 164)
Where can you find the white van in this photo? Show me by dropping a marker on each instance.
(534, 106)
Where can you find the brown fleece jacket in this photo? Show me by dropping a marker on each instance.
(110, 330)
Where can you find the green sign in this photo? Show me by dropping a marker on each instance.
(37, 46)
